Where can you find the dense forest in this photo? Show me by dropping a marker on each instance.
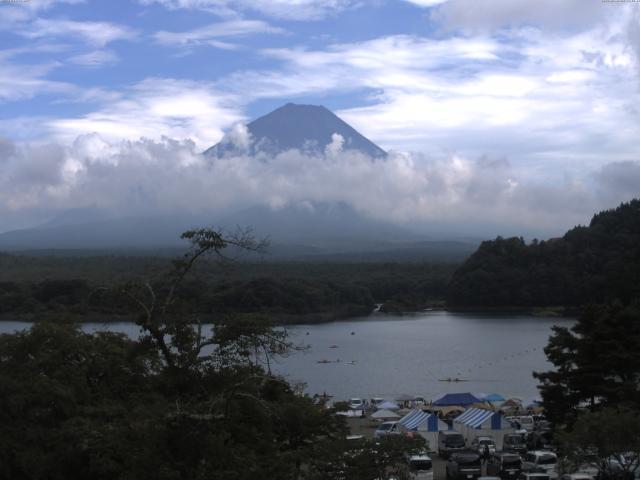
(90, 287)
(589, 264)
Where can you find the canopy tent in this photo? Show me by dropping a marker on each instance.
(478, 422)
(482, 405)
(426, 424)
(384, 414)
(454, 399)
(493, 397)
(447, 410)
(388, 406)
(512, 405)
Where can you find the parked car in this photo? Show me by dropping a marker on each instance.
(420, 467)
(533, 476)
(540, 440)
(542, 459)
(356, 404)
(387, 428)
(479, 443)
(506, 465)
(524, 422)
(514, 442)
(464, 466)
(449, 441)
(577, 476)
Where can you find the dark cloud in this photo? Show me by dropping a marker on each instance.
(619, 181)
(7, 149)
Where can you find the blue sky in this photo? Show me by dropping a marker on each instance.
(539, 96)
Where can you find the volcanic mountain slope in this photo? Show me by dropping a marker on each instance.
(309, 128)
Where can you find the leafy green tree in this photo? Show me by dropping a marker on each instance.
(384, 458)
(178, 403)
(606, 440)
(597, 363)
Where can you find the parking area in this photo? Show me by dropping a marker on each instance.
(364, 426)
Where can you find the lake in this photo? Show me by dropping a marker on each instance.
(388, 355)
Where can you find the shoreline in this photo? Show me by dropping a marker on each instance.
(305, 319)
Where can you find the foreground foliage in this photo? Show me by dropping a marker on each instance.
(597, 363)
(606, 441)
(178, 403)
(78, 405)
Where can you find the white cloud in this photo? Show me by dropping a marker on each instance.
(45, 4)
(209, 34)
(426, 3)
(542, 99)
(154, 108)
(14, 12)
(283, 9)
(95, 33)
(20, 82)
(495, 14)
(168, 176)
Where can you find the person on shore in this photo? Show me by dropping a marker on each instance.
(485, 454)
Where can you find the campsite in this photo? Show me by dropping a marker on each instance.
(465, 416)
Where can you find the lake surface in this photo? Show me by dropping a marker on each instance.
(390, 355)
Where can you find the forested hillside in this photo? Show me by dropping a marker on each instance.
(90, 287)
(591, 264)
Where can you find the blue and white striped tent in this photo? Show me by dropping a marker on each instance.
(426, 424)
(475, 417)
(477, 422)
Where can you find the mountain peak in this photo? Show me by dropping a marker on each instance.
(309, 128)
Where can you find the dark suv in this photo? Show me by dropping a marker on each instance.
(506, 465)
(464, 466)
(514, 442)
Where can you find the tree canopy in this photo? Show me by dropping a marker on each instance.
(597, 363)
(177, 403)
(597, 263)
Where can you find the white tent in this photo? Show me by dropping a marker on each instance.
(477, 422)
(388, 406)
(426, 424)
(384, 414)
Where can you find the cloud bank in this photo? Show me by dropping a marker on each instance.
(169, 177)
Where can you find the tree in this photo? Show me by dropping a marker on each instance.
(384, 458)
(607, 441)
(597, 363)
(178, 403)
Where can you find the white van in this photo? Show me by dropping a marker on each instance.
(420, 467)
(525, 422)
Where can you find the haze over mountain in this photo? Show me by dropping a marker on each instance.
(308, 128)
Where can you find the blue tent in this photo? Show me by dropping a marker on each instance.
(455, 399)
(475, 417)
(494, 397)
(418, 418)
